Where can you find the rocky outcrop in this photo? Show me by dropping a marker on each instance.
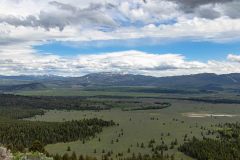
(5, 154)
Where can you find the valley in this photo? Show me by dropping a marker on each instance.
(142, 126)
(121, 121)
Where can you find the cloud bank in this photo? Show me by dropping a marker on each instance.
(133, 62)
(26, 23)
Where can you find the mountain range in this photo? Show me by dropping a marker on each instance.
(205, 81)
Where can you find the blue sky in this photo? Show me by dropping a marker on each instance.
(193, 50)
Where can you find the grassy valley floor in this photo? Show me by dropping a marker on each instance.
(137, 127)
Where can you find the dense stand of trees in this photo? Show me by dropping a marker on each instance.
(149, 107)
(18, 134)
(211, 149)
(227, 146)
(68, 103)
(21, 134)
(213, 100)
(203, 99)
(119, 156)
(149, 157)
(19, 113)
(19, 107)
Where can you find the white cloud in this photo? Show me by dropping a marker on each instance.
(24, 23)
(37, 22)
(234, 58)
(134, 62)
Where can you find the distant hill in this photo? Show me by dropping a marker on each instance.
(31, 78)
(197, 80)
(30, 86)
(205, 81)
(112, 79)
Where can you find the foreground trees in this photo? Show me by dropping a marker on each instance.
(227, 147)
(140, 156)
(37, 146)
(21, 134)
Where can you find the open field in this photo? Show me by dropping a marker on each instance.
(168, 118)
(119, 93)
(142, 126)
(82, 92)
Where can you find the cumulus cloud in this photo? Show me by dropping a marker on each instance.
(207, 12)
(65, 15)
(234, 58)
(197, 3)
(25, 23)
(210, 9)
(134, 62)
(50, 14)
(110, 19)
(232, 9)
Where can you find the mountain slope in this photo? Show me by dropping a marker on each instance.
(197, 80)
(204, 81)
(30, 86)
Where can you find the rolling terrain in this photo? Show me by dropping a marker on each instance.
(125, 115)
(205, 81)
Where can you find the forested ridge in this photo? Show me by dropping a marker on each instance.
(67, 103)
(20, 107)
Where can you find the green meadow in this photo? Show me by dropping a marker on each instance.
(182, 118)
(82, 92)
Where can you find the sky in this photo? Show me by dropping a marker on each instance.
(148, 37)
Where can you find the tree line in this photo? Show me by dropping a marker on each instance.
(67, 103)
(226, 145)
(19, 134)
